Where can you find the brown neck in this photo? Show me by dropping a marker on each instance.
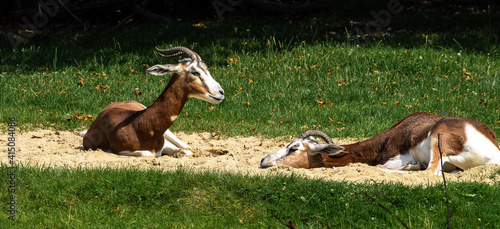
(365, 151)
(360, 152)
(158, 117)
(373, 151)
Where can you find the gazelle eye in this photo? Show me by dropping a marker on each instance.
(293, 149)
(195, 73)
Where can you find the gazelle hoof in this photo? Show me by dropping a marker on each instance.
(413, 167)
(186, 152)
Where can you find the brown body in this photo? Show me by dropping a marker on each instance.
(129, 128)
(415, 139)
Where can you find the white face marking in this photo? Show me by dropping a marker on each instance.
(173, 118)
(296, 147)
(215, 93)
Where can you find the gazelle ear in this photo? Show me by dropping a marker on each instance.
(162, 69)
(327, 149)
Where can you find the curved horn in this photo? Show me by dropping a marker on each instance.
(180, 51)
(316, 133)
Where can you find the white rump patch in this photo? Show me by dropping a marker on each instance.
(173, 117)
(478, 150)
(83, 133)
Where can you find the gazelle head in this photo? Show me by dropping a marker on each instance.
(303, 152)
(199, 82)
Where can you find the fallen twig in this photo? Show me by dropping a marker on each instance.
(289, 224)
(444, 182)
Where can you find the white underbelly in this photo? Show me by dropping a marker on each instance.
(420, 154)
(422, 151)
(400, 161)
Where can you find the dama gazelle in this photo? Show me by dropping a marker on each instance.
(410, 144)
(129, 128)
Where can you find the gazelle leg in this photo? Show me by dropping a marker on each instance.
(170, 149)
(413, 167)
(177, 143)
(137, 153)
(447, 145)
(434, 167)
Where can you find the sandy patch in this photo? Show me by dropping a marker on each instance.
(239, 154)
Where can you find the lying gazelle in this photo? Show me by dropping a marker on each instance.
(410, 144)
(129, 128)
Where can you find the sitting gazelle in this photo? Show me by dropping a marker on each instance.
(129, 128)
(410, 144)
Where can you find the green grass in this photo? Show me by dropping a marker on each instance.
(83, 198)
(295, 77)
(283, 89)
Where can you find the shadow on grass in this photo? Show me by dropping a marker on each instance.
(461, 25)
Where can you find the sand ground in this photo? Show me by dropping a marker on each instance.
(238, 155)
